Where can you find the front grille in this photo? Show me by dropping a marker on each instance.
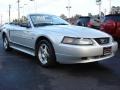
(102, 41)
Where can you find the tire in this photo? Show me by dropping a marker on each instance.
(6, 43)
(45, 53)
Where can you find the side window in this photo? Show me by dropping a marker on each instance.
(23, 22)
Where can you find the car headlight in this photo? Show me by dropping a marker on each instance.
(77, 41)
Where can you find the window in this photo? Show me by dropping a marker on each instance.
(23, 22)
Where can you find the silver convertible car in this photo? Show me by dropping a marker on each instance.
(52, 39)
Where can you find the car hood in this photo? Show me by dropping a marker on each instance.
(75, 31)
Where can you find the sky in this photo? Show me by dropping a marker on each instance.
(55, 7)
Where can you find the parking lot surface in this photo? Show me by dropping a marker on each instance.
(19, 71)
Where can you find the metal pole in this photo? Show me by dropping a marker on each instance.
(98, 2)
(18, 9)
(9, 13)
(1, 20)
(68, 8)
(100, 10)
(110, 4)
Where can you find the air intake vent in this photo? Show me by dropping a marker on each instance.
(102, 41)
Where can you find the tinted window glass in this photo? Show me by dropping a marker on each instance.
(85, 20)
(113, 17)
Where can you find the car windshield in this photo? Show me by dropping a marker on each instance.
(44, 20)
(113, 17)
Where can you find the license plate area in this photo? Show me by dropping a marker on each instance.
(107, 50)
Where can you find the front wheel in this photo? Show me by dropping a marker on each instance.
(45, 53)
(6, 44)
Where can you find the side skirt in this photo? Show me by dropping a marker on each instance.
(22, 48)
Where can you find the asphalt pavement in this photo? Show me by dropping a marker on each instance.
(19, 71)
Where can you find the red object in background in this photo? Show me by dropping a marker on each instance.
(118, 30)
(90, 24)
(111, 25)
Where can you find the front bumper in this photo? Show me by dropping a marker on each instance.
(69, 54)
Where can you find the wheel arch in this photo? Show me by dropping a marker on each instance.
(44, 38)
(41, 38)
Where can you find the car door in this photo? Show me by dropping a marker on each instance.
(23, 35)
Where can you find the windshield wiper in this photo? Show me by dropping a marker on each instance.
(61, 24)
(46, 24)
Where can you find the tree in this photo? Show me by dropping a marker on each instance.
(90, 14)
(63, 16)
(23, 19)
(77, 16)
(115, 10)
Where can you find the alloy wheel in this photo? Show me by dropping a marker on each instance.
(43, 53)
(5, 43)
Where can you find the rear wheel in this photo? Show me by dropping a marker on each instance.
(6, 43)
(45, 53)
